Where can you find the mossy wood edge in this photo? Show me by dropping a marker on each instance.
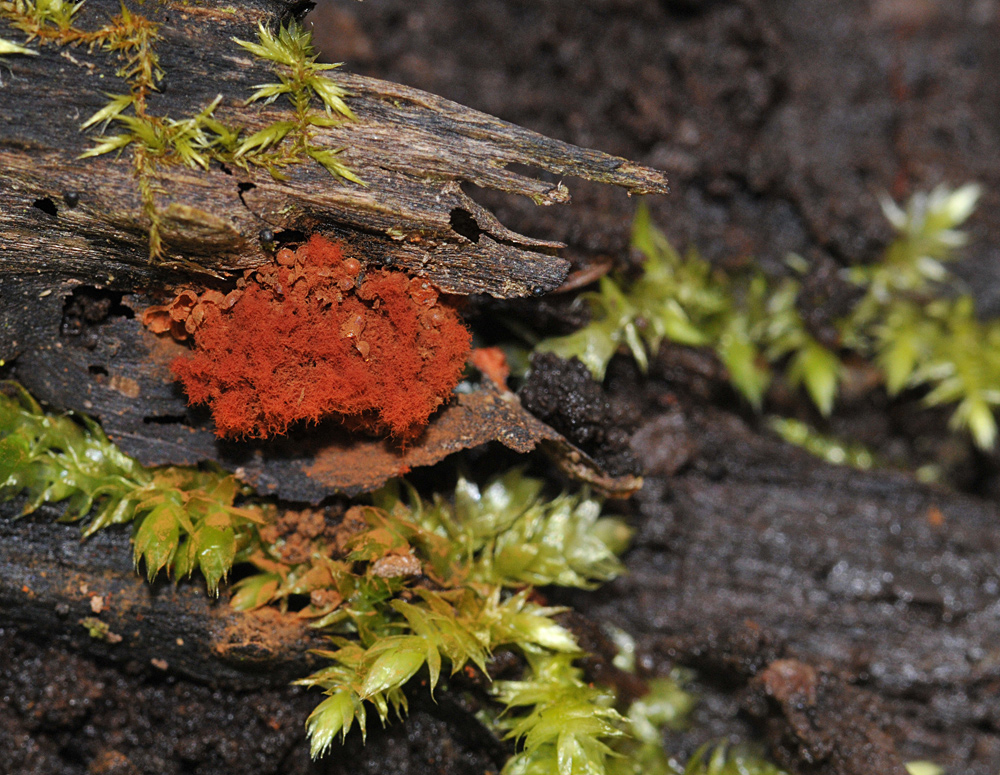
(745, 468)
(51, 578)
(413, 151)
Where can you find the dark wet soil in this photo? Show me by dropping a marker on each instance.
(780, 124)
(562, 394)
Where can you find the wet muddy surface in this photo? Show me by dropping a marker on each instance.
(847, 619)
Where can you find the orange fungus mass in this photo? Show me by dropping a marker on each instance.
(312, 336)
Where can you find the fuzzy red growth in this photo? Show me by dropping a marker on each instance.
(492, 362)
(311, 337)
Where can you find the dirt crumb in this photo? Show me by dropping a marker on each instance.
(815, 722)
(295, 533)
(563, 395)
(111, 762)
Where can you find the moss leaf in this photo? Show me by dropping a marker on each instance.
(335, 715)
(156, 539)
(215, 549)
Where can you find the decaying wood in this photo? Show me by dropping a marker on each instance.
(848, 577)
(888, 584)
(66, 221)
(118, 372)
(82, 219)
(52, 580)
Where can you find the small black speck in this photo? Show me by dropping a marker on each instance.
(388, 261)
(266, 236)
(538, 290)
(71, 198)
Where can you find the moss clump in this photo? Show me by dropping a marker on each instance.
(404, 586)
(433, 587)
(284, 143)
(913, 323)
(185, 519)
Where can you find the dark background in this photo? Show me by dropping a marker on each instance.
(780, 124)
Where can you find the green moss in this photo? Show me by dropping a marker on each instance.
(415, 587)
(826, 447)
(184, 519)
(99, 630)
(300, 80)
(723, 760)
(8, 47)
(480, 550)
(414, 590)
(194, 141)
(914, 323)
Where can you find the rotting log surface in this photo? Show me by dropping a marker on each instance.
(730, 96)
(848, 576)
(68, 218)
(191, 683)
(66, 221)
(52, 578)
(114, 370)
(886, 583)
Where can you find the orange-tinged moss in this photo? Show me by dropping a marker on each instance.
(311, 336)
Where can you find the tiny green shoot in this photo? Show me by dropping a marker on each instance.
(155, 141)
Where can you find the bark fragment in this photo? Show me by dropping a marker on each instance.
(413, 150)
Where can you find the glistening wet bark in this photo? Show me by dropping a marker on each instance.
(871, 579)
